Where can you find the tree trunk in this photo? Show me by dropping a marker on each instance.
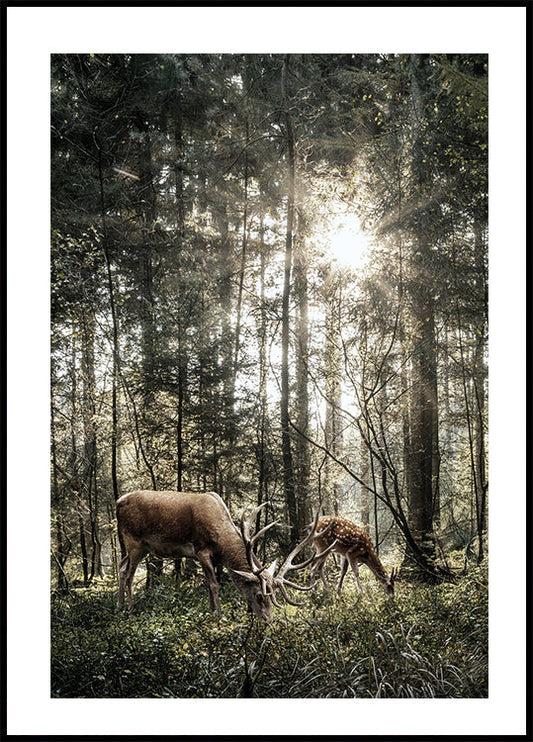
(303, 458)
(154, 565)
(74, 463)
(288, 470)
(423, 414)
(364, 473)
(244, 247)
(58, 504)
(479, 380)
(114, 327)
(89, 434)
(182, 385)
(148, 219)
(262, 493)
(422, 477)
(333, 362)
(180, 234)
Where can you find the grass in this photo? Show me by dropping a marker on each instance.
(429, 642)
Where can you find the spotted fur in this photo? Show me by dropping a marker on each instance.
(353, 543)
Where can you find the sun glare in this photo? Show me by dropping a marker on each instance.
(349, 244)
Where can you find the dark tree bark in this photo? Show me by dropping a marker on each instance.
(479, 379)
(333, 361)
(288, 467)
(423, 415)
(364, 471)
(422, 446)
(262, 493)
(242, 269)
(302, 452)
(148, 335)
(90, 487)
(114, 329)
(62, 546)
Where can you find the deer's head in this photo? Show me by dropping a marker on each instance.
(257, 588)
(389, 584)
(260, 584)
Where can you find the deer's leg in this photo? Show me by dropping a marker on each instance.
(122, 572)
(322, 576)
(320, 568)
(135, 555)
(312, 573)
(344, 568)
(354, 564)
(313, 569)
(212, 584)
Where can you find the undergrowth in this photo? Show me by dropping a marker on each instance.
(427, 642)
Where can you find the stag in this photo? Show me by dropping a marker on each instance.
(332, 533)
(199, 525)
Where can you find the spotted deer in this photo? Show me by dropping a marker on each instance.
(352, 542)
(199, 525)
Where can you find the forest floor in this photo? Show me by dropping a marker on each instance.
(427, 642)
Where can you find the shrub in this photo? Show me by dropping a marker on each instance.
(427, 642)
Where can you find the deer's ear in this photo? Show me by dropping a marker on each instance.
(272, 568)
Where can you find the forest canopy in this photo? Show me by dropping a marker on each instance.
(269, 279)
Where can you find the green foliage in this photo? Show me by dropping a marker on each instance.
(427, 642)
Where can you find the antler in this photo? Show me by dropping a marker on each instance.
(266, 575)
(258, 569)
(280, 580)
(246, 525)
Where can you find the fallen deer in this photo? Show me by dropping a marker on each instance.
(332, 533)
(199, 525)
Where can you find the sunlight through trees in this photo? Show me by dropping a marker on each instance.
(269, 279)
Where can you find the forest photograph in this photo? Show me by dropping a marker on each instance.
(266, 357)
(269, 293)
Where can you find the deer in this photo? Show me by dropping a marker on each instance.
(199, 525)
(333, 533)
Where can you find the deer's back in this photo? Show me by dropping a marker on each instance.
(197, 518)
(347, 534)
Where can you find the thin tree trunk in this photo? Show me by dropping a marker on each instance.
(244, 246)
(83, 545)
(182, 358)
(178, 170)
(61, 553)
(479, 378)
(225, 295)
(182, 381)
(474, 403)
(303, 457)
(74, 465)
(288, 469)
(89, 433)
(116, 352)
(363, 468)
(262, 484)
(148, 337)
(333, 362)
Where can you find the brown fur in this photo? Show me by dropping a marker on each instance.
(174, 524)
